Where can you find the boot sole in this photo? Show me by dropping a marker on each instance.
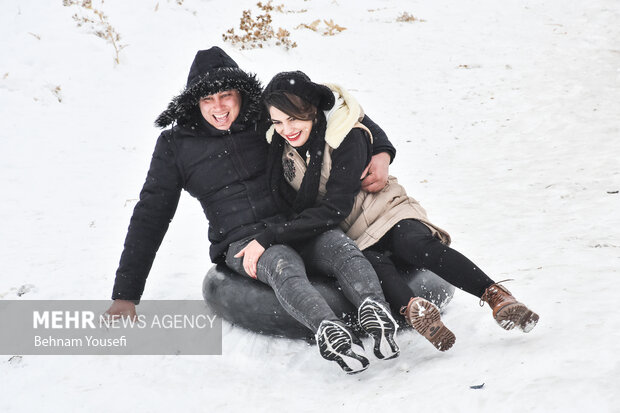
(517, 315)
(428, 323)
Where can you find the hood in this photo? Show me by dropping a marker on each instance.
(212, 71)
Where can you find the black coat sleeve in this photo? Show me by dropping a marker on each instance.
(150, 220)
(348, 163)
(380, 141)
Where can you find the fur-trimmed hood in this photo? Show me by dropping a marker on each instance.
(211, 72)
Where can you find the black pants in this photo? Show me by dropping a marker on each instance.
(412, 243)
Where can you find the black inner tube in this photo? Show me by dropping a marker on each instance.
(253, 305)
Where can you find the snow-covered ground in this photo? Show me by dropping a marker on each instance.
(506, 119)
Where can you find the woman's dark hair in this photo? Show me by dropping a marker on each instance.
(291, 104)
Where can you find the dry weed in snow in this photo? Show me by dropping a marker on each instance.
(97, 23)
(258, 32)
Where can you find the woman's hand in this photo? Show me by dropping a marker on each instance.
(251, 253)
(375, 176)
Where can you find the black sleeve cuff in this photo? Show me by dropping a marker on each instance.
(266, 239)
(381, 149)
(380, 141)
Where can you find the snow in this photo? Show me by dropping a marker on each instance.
(505, 117)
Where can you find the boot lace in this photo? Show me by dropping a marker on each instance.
(490, 291)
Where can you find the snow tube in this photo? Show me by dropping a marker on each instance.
(253, 305)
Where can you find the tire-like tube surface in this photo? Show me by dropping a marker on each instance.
(253, 305)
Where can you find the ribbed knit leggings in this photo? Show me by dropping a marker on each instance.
(410, 242)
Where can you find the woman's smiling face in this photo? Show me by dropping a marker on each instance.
(295, 131)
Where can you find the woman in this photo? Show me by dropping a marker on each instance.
(318, 149)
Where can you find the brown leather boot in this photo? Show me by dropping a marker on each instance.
(424, 317)
(507, 311)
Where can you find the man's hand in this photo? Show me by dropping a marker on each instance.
(375, 176)
(251, 253)
(122, 308)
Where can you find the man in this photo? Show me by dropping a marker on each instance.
(217, 152)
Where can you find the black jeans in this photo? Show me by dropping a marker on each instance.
(412, 243)
(331, 253)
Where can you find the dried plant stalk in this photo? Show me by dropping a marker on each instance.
(332, 28)
(256, 33)
(405, 17)
(98, 24)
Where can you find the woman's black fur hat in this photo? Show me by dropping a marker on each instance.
(298, 83)
(212, 71)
